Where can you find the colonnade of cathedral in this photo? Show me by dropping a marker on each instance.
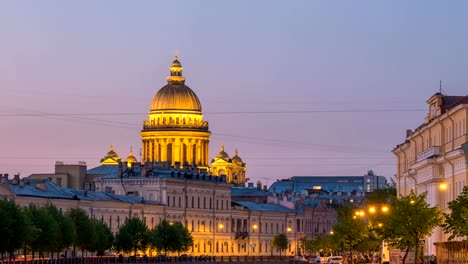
(174, 149)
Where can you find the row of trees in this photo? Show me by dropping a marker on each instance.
(410, 220)
(165, 237)
(47, 229)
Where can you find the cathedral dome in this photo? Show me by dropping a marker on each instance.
(176, 95)
(236, 159)
(222, 154)
(130, 157)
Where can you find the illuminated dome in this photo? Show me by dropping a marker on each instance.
(176, 95)
(130, 157)
(111, 158)
(222, 154)
(236, 159)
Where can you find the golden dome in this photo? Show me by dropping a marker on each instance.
(222, 154)
(176, 95)
(111, 157)
(130, 157)
(236, 159)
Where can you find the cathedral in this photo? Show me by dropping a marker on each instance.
(175, 135)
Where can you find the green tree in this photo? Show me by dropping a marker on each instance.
(184, 236)
(455, 222)
(349, 230)
(45, 240)
(83, 227)
(14, 227)
(104, 239)
(280, 242)
(411, 220)
(325, 243)
(164, 237)
(66, 234)
(132, 236)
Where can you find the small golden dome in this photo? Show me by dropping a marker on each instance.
(112, 153)
(176, 63)
(111, 156)
(130, 157)
(236, 159)
(176, 95)
(222, 154)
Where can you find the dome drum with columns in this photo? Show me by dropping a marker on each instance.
(175, 131)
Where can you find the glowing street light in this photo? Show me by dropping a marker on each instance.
(443, 186)
(289, 229)
(221, 226)
(385, 209)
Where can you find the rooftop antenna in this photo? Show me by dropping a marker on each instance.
(440, 86)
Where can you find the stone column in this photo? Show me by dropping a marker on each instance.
(150, 147)
(143, 150)
(163, 150)
(199, 155)
(176, 151)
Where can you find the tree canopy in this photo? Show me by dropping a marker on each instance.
(15, 227)
(132, 236)
(455, 222)
(167, 237)
(349, 231)
(280, 242)
(411, 220)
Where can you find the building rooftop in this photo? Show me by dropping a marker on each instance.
(263, 207)
(248, 191)
(48, 189)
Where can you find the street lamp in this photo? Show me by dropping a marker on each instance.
(289, 229)
(443, 186)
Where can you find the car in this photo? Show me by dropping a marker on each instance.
(335, 260)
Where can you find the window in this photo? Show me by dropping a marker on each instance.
(59, 182)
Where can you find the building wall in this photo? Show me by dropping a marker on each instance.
(217, 230)
(432, 155)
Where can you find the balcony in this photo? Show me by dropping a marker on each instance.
(429, 153)
(241, 234)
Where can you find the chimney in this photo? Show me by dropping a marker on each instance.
(16, 179)
(21, 183)
(259, 185)
(3, 179)
(177, 165)
(250, 185)
(408, 132)
(265, 188)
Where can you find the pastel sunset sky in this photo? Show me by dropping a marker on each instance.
(298, 87)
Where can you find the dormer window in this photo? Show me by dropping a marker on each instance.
(433, 111)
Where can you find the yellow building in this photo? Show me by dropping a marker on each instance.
(233, 168)
(175, 131)
(432, 156)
